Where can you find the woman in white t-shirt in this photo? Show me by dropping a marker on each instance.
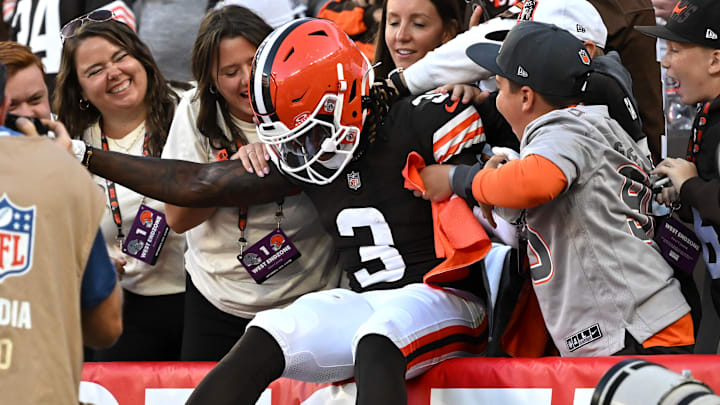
(210, 124)
(110, 90)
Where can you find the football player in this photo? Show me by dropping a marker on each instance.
(342, 144)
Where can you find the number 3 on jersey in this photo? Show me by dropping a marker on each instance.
(382, 249)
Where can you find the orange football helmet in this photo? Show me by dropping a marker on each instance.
(306, 89)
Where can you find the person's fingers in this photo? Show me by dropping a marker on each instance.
(476, 17)
(444, 88)
(468, 96)
(481, 97)
(487, 214)
(62, 137)
(417, 193)
(257, 162)
(25, 126)
(263, 157)
(245, 159)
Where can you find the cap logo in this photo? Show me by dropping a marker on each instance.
(584, 57)
(680, 14)
(528, 10)
(521, 72)
(678, 9)
(710, 34)
(579, 28)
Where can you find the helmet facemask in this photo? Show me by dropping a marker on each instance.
(317, 150)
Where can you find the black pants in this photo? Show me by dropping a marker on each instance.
(209, 333)
(152, 329)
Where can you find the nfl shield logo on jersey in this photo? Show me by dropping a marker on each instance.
(354, 180)
(17, 236)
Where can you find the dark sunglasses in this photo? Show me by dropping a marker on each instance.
(70, 29)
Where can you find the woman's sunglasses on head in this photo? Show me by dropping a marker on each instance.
(70, 29)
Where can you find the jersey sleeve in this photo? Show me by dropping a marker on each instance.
(569, 152)
(99, 278)
(521, 183)
(446, 61)
(447, 127)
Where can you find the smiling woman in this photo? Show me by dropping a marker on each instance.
(209, 125)
(110, 90)
(411, 28)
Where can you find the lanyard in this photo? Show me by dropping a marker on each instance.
(223, 154)
(243, 218)
(112, 193)
(698, 128)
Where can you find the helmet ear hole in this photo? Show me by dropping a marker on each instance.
(353, 91)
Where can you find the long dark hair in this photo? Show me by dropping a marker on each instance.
(227, 22)
(449, 12)
(160, 100)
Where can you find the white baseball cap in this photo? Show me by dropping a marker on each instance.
(275, 13)
(579, 17)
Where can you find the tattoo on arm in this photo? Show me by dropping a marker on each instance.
(189, 184)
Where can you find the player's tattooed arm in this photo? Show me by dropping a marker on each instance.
(219, 184)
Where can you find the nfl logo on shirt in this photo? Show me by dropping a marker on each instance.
(17, 235)
(353, 179)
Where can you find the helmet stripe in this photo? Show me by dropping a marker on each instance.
(262, 103)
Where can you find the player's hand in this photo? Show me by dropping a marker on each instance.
(62, 137)
(254, 158)
(476, 17)
(495, 161)
(678, 170)
(437, 183)
(466, 93)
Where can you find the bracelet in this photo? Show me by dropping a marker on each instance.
(87, 156)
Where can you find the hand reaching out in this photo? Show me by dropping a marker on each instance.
(437, 183)
(254, 158)
(466, 93)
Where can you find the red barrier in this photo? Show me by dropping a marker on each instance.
(547, 381)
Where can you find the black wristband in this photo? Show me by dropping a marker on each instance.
(461, 181)
(398, 82)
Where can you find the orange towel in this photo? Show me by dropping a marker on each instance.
(459, 237)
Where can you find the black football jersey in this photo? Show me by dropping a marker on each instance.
(384, 235)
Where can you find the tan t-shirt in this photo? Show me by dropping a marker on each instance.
(50, 211)
(211, 257)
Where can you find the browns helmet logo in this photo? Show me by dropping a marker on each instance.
(276, 242)
(300, 118)
(146, 218)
